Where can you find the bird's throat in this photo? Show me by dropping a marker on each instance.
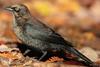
(20, 19)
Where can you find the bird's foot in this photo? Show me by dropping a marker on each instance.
(26, 52)
(44, 54)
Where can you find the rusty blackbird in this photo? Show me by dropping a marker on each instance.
(31, 31)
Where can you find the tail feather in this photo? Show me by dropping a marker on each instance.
(80, 55)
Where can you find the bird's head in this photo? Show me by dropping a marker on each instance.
(18, 9)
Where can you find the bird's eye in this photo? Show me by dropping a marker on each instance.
(16, 9)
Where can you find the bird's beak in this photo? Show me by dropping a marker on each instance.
(8, 8)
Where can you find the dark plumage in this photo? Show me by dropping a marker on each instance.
(36, 35)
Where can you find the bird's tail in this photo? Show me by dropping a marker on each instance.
(80, 55)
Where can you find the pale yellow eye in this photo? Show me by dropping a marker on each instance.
(17, 9)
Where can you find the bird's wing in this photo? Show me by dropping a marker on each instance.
(42, 32)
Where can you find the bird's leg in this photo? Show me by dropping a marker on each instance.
(27, 51)
(44, 54)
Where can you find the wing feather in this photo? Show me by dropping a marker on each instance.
(44, 33)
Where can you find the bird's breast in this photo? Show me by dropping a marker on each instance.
(18, 31)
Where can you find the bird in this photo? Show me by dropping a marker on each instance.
(37, 35)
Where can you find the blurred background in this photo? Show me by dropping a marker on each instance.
(78, 21)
